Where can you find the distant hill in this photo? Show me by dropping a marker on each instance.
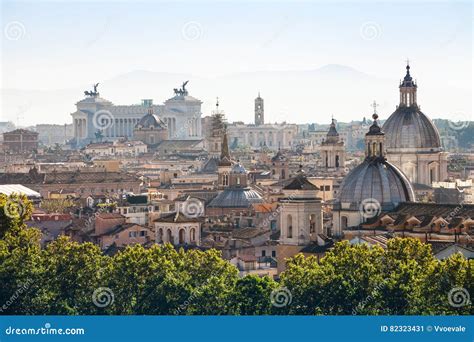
(305, 96)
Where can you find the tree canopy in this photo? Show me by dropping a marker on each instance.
(73, 278)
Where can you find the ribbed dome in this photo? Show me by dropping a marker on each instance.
(239, 169)
(151, 120)
(236, 198)
(376, 179)
(409, 128)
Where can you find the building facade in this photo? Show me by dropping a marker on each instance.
(181, 115)
(20, 141)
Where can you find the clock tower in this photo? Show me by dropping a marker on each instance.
(259, 112)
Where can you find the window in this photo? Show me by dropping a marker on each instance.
(143, 233)
(274, 254)
(181, 236)
(273, 224)
(160, 235)
(192, 233)
(343, 222)
(170, 236)
(264, 252)
(289, 223)
(312, 223)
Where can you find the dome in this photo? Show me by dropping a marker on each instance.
(151, 120)
(376, 179)
(409, 128)
(238, 168)
(236, 198)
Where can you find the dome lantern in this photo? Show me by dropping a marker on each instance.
(375, 138)
(408, 90)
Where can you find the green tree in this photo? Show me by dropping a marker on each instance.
(252, 296)
(73, 272)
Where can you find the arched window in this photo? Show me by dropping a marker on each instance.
(343, 222)
(160, 235)
(170, 236)
(289, 224)
(192, 234)
(337, 161)
(181, 236)
(225, 179)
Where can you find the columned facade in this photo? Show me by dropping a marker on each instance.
(181, 114)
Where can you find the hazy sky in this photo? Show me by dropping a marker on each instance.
(57, 45)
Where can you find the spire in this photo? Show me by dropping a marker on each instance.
(375, 128)
(225, 155)
(332, 136)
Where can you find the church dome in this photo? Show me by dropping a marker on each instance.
(376, 179)
(150, 120)
(409, 128)
(236, 198)
(239, 169)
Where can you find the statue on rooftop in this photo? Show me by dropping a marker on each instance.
(94, 92)
(181, 91)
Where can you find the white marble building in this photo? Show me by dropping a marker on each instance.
(273, 136)
(181, 114)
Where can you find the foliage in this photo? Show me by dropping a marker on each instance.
(64, 276)
(53, 206)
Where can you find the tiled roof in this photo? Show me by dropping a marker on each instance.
(434, 209)
(300, 183)
(177, 217)
(69, 177)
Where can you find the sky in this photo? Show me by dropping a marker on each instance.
(59, 45)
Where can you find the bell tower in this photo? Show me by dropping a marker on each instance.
(259, 111)
(332, 149)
